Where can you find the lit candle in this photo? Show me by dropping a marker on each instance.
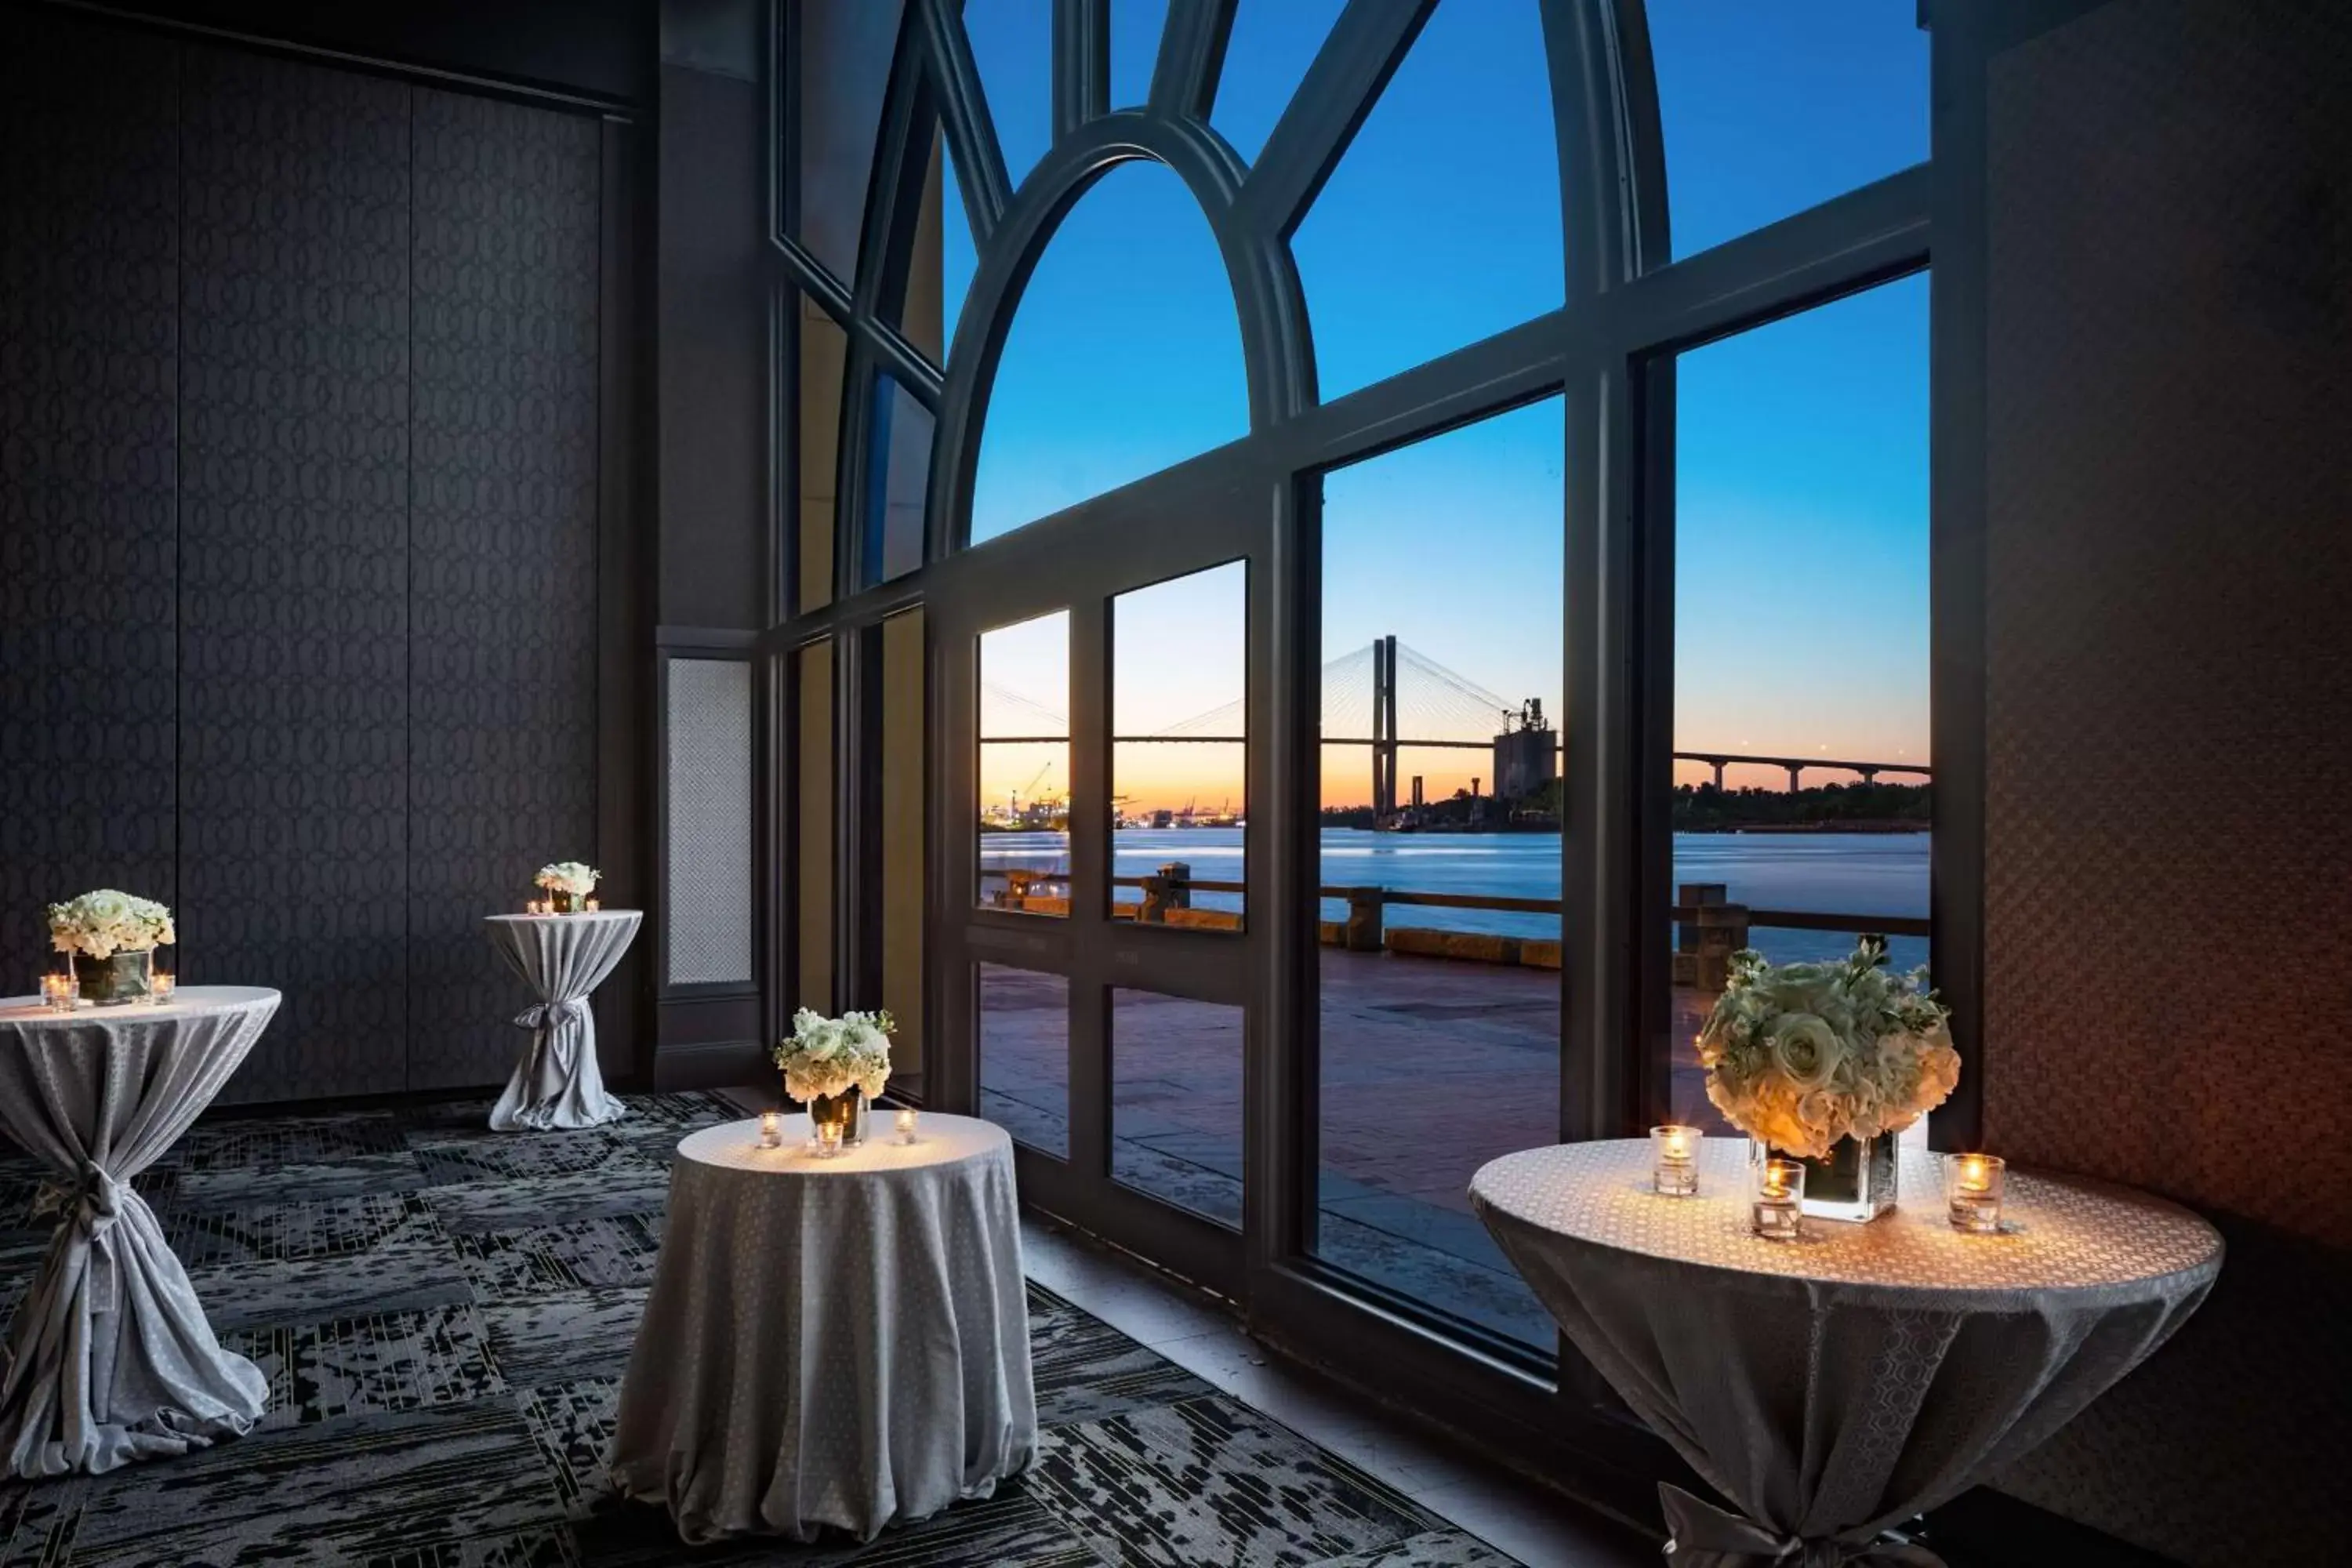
(57, 993)
(907, 1120)
(828, 1140)
(1674, 1172)
(593, 905)
(771, 1130)
(1777, 1212)
(159, 988)
(1972, 1187)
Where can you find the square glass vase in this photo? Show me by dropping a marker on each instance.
(1855, 1182)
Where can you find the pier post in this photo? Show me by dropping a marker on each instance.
(1365, 906)
(1169, 888)
(1722, 932)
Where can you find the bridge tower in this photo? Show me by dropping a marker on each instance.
(1384, 730)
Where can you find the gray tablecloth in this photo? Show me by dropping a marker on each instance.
(839, 1342)
(110, 1358)
(1834, 1386)
(562, 958)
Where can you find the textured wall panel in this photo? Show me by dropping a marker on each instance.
(709, 828)
(502, 633)
(294, 561)
(2168, 879)
(88, 302)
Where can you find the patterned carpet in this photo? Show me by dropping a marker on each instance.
(444, 1313)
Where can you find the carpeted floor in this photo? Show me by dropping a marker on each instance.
(443, 1314)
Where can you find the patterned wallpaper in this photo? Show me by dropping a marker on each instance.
(299, 418)
(294, 560)
(502, 630)
(2168, 879)
(89, 251)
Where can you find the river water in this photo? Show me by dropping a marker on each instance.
(1825, 873)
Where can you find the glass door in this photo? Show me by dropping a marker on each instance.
(1092, 897)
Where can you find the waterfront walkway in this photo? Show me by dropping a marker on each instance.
(1429, 1068)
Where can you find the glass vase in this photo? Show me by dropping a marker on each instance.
(110, 981)
(848, 1109)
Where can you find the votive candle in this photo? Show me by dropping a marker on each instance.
(1674, 1169)
(828, 1140)
(1972, 1188)
(907, 1121)
(1777, 1211)
(771, 1130)
(161, 987)
(57, 993)
(594, 904)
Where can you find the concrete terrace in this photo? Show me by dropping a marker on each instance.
(1430, 1069)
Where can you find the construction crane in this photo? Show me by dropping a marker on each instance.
(1031, 787)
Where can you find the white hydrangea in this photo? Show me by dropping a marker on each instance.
(104, 921)
(826, 1057)
(572, 877)
(1803, 1054)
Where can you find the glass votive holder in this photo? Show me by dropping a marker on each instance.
(906, 1123)
(594, 904)
(771, 1130)
(59, 992)
(1972, 1187)
(828, 1138)
(1674, 1169)
(162, 987)
(1777, 1210)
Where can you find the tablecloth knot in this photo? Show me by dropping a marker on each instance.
(98, 1203)
(1701, 1535)
(552, 1014)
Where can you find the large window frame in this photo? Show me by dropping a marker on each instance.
(1608, 351)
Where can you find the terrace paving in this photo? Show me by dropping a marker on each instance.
(1430, 1069)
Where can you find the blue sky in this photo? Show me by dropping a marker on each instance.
(1802, 471)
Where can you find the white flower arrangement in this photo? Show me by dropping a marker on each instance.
(570, 876)
(1802, 1055)
(103, 922)
(826, 1057)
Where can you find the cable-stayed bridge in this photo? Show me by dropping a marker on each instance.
(1388, 696)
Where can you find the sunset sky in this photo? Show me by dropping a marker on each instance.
(1801, 468)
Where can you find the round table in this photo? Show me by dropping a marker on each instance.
(837, 1342)
(556, 1084)
(111, 1358)
(1836, 1385)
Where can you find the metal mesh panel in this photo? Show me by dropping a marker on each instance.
(709, 828)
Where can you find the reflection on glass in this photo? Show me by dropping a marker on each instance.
(1465, 127)
(1135, 27)
(1025, 1055)
(824, 353)
(1024, 766)
(843, 48)
(1013, 46)
(1769, 110)
(902, 835)
(1443, 565)
(1176, 1101)
(813, 980)
(1799, 443)
(902, 445)
(1266, 56)
(1179, 816)
(1124, 357)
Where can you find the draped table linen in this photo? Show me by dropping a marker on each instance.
(110, 1358)
(557, 1083)
(1836, 1386)
(835, 1341)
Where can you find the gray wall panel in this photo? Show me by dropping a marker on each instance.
(88, 306)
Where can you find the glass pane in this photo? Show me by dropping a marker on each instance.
(813, 976)
(1178, 669)
(927, 313)
(1125, 356)
(902, 457)
(1449, 661)
(1135, 27)
(1024, 766)
(1442, 223)
(902, 837)
(824, 353)
(1769, 110)
(1013, 45)
(1800, 445)
(1272, 44)
(1176, 1101)
(843, 48)
(1025, 1055)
